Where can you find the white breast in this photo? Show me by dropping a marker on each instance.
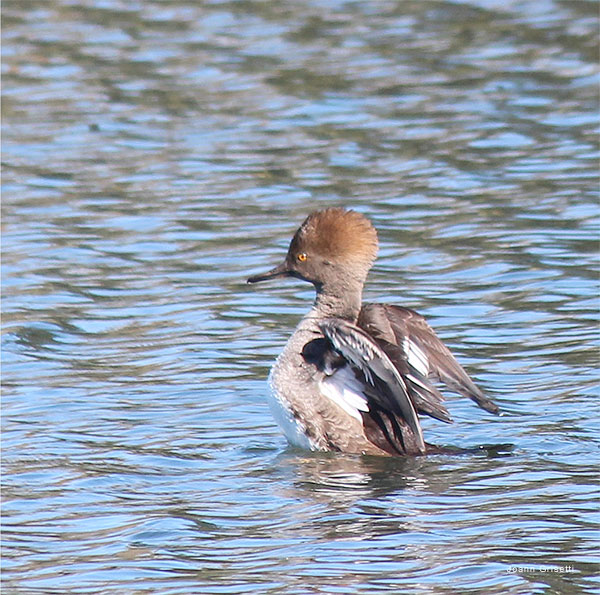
(290, 425)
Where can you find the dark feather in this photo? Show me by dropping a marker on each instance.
(384, 387)
(390, 326)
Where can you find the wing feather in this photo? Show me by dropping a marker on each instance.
(411, 343)
(389, 390)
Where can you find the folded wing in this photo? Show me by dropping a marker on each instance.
(389, 416)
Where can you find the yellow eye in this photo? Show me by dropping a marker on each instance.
(302, 256)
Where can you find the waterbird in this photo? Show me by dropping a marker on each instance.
(355, 377)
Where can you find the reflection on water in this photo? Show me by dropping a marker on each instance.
(155, 154)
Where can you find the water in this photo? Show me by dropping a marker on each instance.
(156, 154)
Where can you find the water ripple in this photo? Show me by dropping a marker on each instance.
(155, 154)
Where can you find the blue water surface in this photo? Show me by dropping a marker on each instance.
(155, 154)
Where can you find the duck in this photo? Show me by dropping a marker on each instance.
(354, 377)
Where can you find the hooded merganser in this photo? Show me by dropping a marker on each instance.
(353, 377)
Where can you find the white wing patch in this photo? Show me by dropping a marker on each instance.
(346, 391)
(416, 357)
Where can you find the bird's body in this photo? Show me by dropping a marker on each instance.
(353, 377)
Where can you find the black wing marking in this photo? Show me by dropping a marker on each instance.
(425, 397)
(413, 344)
(386, 388)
